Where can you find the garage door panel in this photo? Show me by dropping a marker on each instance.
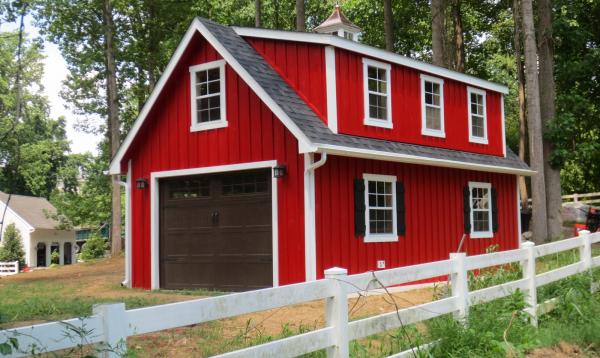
(218, 236)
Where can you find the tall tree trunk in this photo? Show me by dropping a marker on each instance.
(300, 17)
(113, 120)
(539, 225)
(521, 96)
(437, 31)
(459, 42)
(548, 111)
(388, 25)
(257, 13)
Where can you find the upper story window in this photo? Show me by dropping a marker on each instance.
(377, 93)
(380, 213)
(477, 116)
(208, 95)
(481, 209)
(432, 106)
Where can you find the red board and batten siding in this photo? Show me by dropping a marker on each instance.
(406, 109)
(302, 65)
(253, 134)
(434, 214)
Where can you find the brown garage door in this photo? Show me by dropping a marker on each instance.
(215, 231)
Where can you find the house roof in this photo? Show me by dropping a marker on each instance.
(32, 210)
(312, 134)
(336, 20)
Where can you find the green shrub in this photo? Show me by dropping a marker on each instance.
(93, 248)
(55, 257)
(12, 246)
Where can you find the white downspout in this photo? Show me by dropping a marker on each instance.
(127, 185)
(310, 239)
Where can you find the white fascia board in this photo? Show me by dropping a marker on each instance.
(115, 165)
(413, 159)
(374, 52)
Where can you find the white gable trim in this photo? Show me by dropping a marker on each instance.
(197, 26)
(14, 213)
(374, 52)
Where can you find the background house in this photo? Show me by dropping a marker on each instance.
(38, 231)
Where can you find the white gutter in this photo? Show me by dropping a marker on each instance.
(310, 233)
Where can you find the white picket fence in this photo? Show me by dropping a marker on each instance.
(9, 268)
(111, 324)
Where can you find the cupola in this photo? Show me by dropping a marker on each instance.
(339, 25)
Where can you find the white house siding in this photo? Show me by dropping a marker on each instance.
(22, 226)
(50, 237)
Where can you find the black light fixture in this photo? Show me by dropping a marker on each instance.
(141, 183)
(279, 171)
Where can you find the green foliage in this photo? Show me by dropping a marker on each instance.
(12, 246)
(54, 257)
(94, 248)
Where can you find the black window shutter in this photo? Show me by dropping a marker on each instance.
(359, 207)
(494, 210)
(467, 209)
(400, 209)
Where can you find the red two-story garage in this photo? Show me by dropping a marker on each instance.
(264, 157)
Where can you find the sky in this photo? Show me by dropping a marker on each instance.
(55, 71)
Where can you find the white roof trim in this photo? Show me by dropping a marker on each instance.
(366, 50)
(115, 165)
(414, 159)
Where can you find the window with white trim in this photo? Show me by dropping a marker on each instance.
(477, 116)
(380, 204)
(481, 209)
(377, 93)
(208, 95)
(432, 106)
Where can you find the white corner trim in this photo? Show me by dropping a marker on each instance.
(331, 84)
(472, 138)
(376, 122)
(197, 26)
(155, 209)
(481, 234)
(221, 123)
(519, 232)
(503, 119)
(390, 237)
(440, 133)
(366, 50)
(414, 159)
(128, 207)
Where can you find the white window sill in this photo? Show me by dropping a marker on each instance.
(433, 133)
(482, 235)
(381, 238)
(208, 125)
(478, 140)
(378, 123)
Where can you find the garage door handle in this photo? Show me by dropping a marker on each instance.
(215, 217)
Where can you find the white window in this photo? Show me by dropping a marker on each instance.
(432, 106)
(377, 93)
(208, 96)
(477, 116)
(481, 210)
(380, 213)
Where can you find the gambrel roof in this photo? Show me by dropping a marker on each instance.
(313, 134)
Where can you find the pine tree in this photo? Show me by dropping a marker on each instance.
(12, 246)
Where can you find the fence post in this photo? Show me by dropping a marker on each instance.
(575, 198)
(529, 274)
(336, 312)
(585, 255)
(114, 329)
(460, 284)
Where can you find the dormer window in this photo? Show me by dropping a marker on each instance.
(477, 116)
(432, 106)
(208, 96)
(377, 94)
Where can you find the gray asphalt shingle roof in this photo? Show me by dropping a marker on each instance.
(31, 209)
(317, 131)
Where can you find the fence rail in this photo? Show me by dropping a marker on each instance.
(9, 268)
(111, 324)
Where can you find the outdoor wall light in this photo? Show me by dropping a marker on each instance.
(279, 171)
(141, 183)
